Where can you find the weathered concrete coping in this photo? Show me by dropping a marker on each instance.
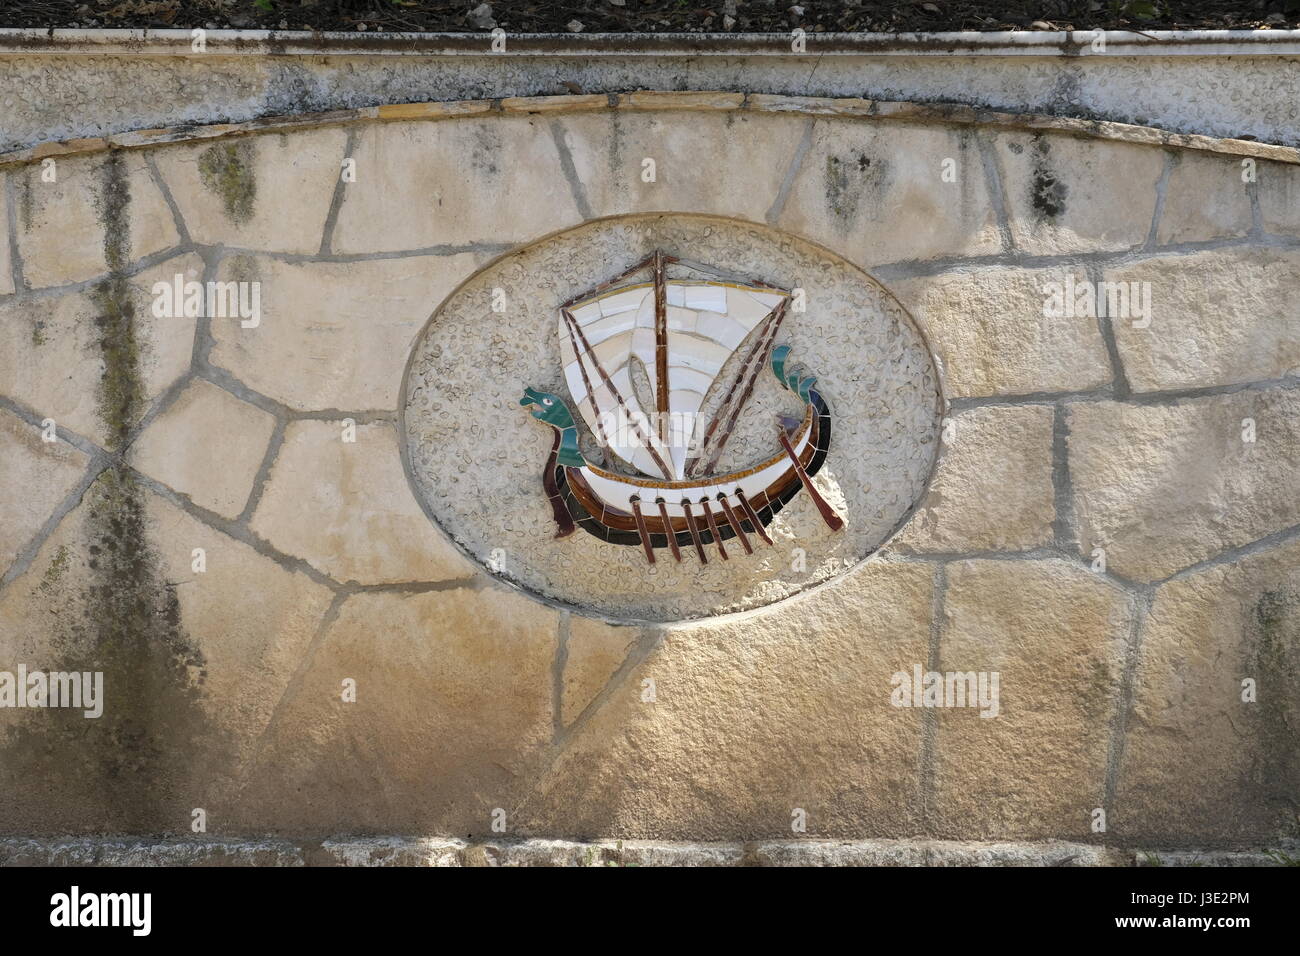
(1122, 43)
(955, 114)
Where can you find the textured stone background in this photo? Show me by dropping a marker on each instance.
(1120, 687)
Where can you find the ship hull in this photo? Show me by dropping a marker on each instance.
(600, 502)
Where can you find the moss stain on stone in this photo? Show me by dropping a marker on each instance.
(54, 573)
(846, 179)
(132, 767)
(1274, 662)
(1047, 192)
(227, 170)
(26, 212)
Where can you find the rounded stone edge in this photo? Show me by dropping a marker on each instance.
(953, 114)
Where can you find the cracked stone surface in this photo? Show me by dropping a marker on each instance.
(398, 204)
(1206, 199)
(53, 355)
(704, 163)
(346, 509)
(332, 334)
(269, 193)
(751, 717)
(207, 445)
(235, 635)
(35, 475)
(429, 738)
(593, 651)
(62, 232)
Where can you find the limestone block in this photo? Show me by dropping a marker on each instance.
(727, 727)
(334, 335)
(1279, 198)
(729, 164)
(992, 488)
(1068, 195)
(1217, 318)
(1162, 487)
(452, 712)
(1055, 633)
(269, 192)
(35, 476)
(67, 229)
(207, 445)
(497, 180)
(594, 651)
(346, 508)
(1204, 199)
(876, 193)
(989, 329)
(1200, 763)
(61, 358)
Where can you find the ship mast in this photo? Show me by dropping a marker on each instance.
(661, 346)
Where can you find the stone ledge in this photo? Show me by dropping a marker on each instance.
(434, 851)
(849, 108)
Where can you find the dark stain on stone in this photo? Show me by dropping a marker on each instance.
(26, 201)
(847, 179)
(227, 169)
(1047, 191)
(487, 149)
(1274, 661)
(110, 610)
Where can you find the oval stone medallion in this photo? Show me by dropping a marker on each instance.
(477, 458)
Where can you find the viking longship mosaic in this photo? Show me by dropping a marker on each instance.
(681, 332)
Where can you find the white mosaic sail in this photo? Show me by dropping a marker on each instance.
(706, 322)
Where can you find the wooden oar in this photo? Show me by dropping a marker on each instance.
(834, 521)
(668, 530)
(735, 524)
(753, 516)
(713, 527)
(695, 532)
(642, 531)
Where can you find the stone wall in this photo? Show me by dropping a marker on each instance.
(1110, 523)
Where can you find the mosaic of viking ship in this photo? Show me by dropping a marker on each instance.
(681, 332)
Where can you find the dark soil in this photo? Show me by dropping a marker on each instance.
(656, 16)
